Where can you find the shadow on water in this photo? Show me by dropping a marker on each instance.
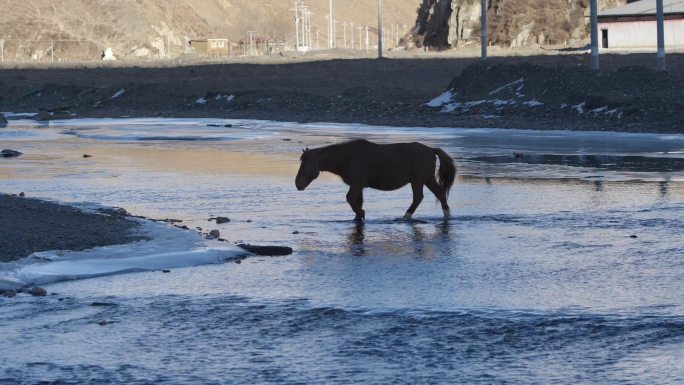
(417, 238)
(604, 162)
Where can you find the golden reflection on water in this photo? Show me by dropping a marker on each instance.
(196, 160)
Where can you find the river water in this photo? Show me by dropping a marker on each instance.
(563, 262)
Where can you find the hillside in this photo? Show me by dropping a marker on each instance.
(82, 29)
(443, 24)
(68, 30)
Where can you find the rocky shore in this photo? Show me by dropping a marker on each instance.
(30, 225)
(626, 95)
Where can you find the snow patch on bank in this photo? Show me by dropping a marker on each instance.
(441, 99)
(515, 99)
(118, 93)
(510, 85)
(227, 98)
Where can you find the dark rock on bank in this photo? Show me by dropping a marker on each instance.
(102, 304)
(266, 250)
(36, 291)
(6, 153)
(220, 220)
(3, 120)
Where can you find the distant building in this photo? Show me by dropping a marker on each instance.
(211, 47)
(633, 25)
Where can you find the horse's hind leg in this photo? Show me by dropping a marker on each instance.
(439, 193)
(417, 198)
(355, 200)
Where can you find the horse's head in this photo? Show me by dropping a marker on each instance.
(308, 170)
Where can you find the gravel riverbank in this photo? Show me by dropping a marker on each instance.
(30, 225)
(626, 95)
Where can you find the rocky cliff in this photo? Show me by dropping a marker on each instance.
(443, 24)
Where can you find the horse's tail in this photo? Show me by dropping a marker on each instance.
(447, 170)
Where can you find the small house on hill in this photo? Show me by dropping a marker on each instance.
(633, 25)
(211, 47)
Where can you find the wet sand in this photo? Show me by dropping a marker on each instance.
(31, 225)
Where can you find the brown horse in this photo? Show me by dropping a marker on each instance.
(385, 167)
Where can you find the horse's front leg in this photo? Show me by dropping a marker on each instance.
(417, 198)
(355, 200)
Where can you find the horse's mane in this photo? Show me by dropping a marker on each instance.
(335, 146)
(345, 143)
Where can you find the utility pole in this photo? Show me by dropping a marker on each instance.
(396, 34)
(660, 60)
(334, 32)
(296, 20)
(351, 27)
(251, 43)
(360, 29)
(483, 34)
(594, 61)
(331, 33)
(380, 29)
(307, 23)
(344, 28)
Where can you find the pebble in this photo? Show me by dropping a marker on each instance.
(220, 220)
(9, 293)
(37, 291)
(214, 234)
(87, 156)
(97, 304)
(266, 250)
(166, 271)
(633, 236)
(295, 232)
(7, 153)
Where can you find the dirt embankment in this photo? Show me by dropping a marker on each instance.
(380, 92)
(633, 98)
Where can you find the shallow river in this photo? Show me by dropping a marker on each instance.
(562, 264)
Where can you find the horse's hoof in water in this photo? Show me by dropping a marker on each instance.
(447, 214)
(407, 216)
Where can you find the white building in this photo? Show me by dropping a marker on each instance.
(633, 26)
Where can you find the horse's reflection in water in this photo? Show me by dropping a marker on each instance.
(418, 241)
